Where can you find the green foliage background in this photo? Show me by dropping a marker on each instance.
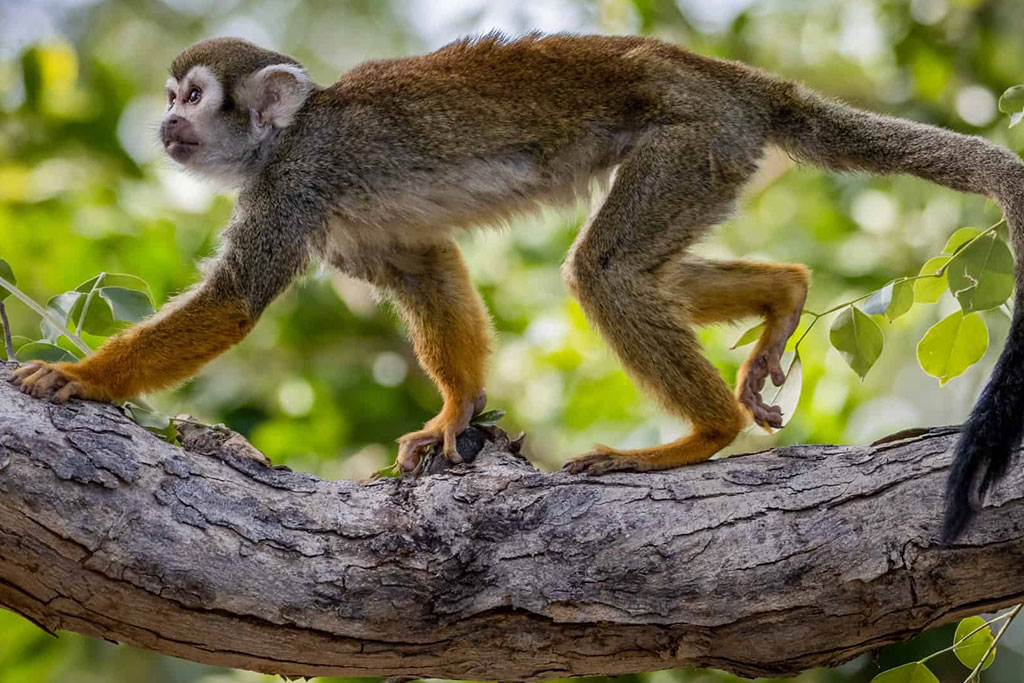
(327, 380)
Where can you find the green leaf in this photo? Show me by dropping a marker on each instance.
(1012, 100)
(7, 274)
(959, 239)
(915, 672)
(981, 274)
(892, 301)
(113, 280)
(127, 305)
(928, 290)
(858, 339)
(99, 317)
(19, 341)
(750, 336)
(971, 650)
(60, 306)
(952, 345)
(45, 351)
(488, 419)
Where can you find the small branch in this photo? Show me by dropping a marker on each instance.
(6, 324)
(762, 565)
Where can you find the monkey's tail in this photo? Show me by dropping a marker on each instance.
(840, 137)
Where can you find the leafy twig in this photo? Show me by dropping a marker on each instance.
(975, 675)
(47, 316)
(938, 273)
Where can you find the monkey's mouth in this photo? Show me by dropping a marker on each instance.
(180, 150)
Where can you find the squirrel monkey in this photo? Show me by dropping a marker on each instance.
(376, 173)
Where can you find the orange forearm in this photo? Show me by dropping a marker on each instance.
(170, 347)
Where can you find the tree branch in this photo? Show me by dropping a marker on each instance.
(766, 564)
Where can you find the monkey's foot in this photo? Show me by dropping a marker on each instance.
(443, 429)
(689, 450)
(43, 380)
(604, 459)
(751, 382)
(764, 362)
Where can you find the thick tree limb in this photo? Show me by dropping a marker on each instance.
(769, 563)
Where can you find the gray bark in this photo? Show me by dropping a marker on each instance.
(766, 564)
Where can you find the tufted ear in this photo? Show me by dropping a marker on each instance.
(274, 94)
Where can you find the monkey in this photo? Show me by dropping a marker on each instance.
(377, 173)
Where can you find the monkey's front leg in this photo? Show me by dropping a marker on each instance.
(451, 334)
(153, 355)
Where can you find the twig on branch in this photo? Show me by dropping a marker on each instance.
(766, 564)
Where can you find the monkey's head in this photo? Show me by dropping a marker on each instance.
(227, 102)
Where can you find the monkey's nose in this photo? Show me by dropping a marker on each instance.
(172, 121)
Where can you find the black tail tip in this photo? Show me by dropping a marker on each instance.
(959, 513)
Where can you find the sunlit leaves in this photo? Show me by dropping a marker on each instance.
(1012, 102)
(974, 638)
(952, 345)
(981, 274)
(858, 339)
(892, 301)
(915, 672)
(928, 290)
(750, 336)
(959, 239)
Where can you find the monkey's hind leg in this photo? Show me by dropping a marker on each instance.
(670, 191)
(450, 331)
(722, 291)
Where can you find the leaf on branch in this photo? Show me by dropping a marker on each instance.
(971, 650)
(44, 351)
(959, 239)
(892, 301)
(749, 337)
(8, 274)
(858, 339)
(928, 290)
(1012, 102)
(981, 274)
(915, 672)
(952, 345)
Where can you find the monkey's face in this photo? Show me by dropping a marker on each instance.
(200, 129)
(227, 108)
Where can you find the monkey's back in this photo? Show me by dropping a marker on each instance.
(441, 139)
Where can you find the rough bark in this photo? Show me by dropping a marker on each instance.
(767, 564)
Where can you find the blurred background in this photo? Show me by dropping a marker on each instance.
(327, 380)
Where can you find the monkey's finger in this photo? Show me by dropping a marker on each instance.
(70, 389)
(28, 383)
(19, 375)
(775, 367)
(46, 383)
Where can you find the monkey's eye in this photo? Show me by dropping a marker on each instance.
(170, 99)
(195, 95)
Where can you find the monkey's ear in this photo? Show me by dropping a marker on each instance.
(274, 94)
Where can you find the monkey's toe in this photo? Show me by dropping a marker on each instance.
(604, 459)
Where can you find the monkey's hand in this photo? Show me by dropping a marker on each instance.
(453, 419)
(57, 381)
